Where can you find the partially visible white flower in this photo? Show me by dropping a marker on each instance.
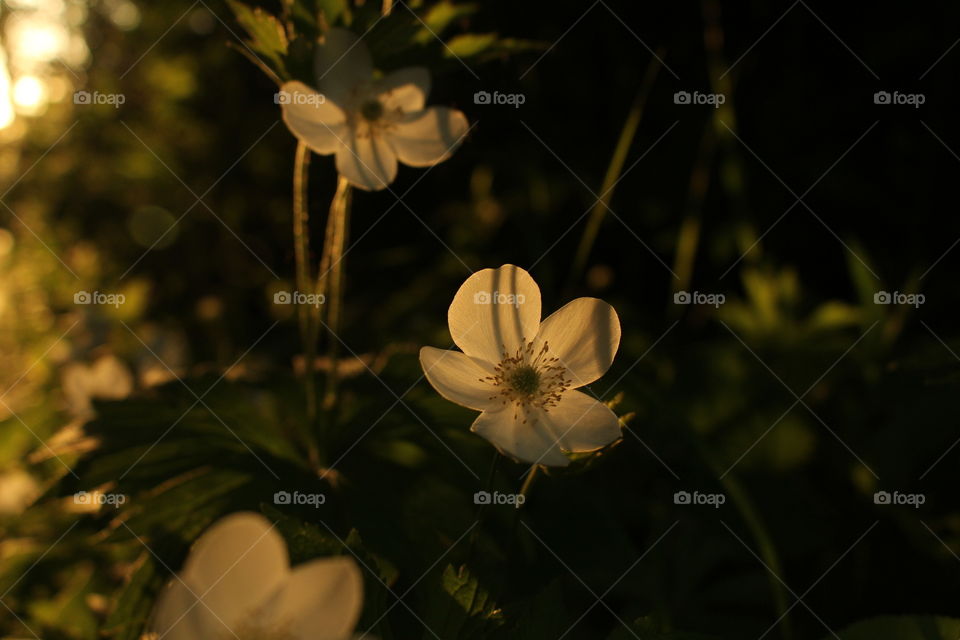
(237, 583)
(18, 490)
(106, 379)
(368, 122)
(522, 373)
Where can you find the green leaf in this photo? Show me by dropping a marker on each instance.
(464, 608)
(903, 628)
(439, 18)
(484, 46)
(268, 40)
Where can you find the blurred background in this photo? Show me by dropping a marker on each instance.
(796, 203)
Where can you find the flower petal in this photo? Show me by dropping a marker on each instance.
(367, 161)
(177, 617)
(314, 120)
(405, 90)
(495, 310)
(520, 435)
(238, 563)
(581, 423)
(342, 64)
(321, 600)
(584, 334)
(457, 377)
(424, 138)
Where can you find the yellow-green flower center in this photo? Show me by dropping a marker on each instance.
(528, 379)
(525, 380)
(371, 110)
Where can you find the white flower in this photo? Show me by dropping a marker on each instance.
(106, 379)
(237, 584)
(522, 373)
(369, 123)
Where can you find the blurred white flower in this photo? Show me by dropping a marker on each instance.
(18, 490)
(369, 122)
(106, 379)
(522, 373)
(237, 583)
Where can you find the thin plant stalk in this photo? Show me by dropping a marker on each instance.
(305, 313)
(614, 169)
(330, 280)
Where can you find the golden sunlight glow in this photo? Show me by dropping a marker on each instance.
(6, 106)
(29, 95)
(37, 37)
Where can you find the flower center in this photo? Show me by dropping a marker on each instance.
(525, 380)
(371, 110)
(529, 379)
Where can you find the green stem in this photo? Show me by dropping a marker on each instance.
(614, 169)
(527, 484)
(330, 281)
(301, 244)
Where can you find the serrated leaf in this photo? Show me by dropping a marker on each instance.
(268, 39)
(464, 608)
(439, 18)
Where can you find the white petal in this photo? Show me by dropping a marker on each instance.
(367, 161)
(405, 89)
(521, 435)
(584, 334)
(580, 423)
(424, 138)
(178, 615)
(236, 564)
(321, 600)
(312, 118)
(457, 377)
(342, 65)
(495, 310)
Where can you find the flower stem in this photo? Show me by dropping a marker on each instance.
(330, 280)
(301, 244)
(527, 484)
